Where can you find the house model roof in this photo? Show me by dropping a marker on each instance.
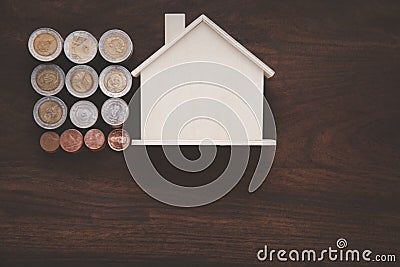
(268, 72)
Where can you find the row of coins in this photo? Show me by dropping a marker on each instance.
(46, 44)
(50, 112)
(71, 140)
(81, 80)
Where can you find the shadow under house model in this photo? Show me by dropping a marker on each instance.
(201, 61)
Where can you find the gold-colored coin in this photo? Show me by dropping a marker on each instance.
(47, 79)
(115, 81)
(81, 47)
(45, 44)
(50, 112)
(115, 46)
(81, 81)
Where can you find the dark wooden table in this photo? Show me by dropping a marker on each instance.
(336, 101)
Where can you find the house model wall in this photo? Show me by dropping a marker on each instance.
(201, 41)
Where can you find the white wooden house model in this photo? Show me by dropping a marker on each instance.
(201, 42)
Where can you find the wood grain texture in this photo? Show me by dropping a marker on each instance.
(335, 97)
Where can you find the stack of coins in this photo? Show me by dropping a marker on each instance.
(81, 81)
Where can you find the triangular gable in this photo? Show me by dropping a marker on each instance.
(268, 72)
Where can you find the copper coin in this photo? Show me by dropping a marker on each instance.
(94, 139)
(118, 139)
(50, 141)
(71, 140)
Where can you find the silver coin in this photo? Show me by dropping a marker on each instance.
(83, 114)
(47, 79)
(115, 46)
(80, 47)
(45, 44)
(115, 111)
(82, 81)
(50, 112)
(115, 81)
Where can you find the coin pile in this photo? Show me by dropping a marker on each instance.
(81, 81)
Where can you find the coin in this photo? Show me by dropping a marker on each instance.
(50, 112)
(49, 141)
(94, 139)
(82, 81)
(118, 139)
(115, 81)
(71, 140)
(83, 114)
(47, 79)
(115, 46)
(115, 111)
(80, 47)
(45, 44)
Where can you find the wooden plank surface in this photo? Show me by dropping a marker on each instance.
(335, 97)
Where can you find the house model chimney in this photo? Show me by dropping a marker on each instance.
(174, 25)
